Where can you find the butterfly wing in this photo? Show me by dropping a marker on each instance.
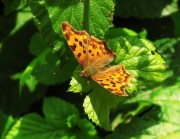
(98, 53)
(114, 79)
(78, 41)
(89, 51)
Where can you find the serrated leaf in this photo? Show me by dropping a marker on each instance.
(60, 111)
(139, 58)
(98, 104)
(59, 122)
(161, 121)
(136, 55)
(100, 10)
(54, 14)
(78, 84)
(169, 48)
(164, 47)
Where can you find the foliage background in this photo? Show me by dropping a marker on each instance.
(37, 68)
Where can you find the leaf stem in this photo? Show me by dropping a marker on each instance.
(86, 15)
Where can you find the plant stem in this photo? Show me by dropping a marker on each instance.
(86, 15)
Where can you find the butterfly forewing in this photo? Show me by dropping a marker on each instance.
(98, 53)
(77, 40)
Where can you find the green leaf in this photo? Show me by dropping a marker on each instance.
(100, 10)
(141, 61)
(169, 49)
(37, 45)
(161, 120)
(77, 83)
(98, 104)
(14, 5)
(164, 47)
(48, 16)
(116, 32)
(146, 128)
(61, 121)
(5, 124)
(44, 68)
(61, 110)
(54, 14)
(176, 20)
(12, 50)
(12, 25)
(145, 8)
(138, 57)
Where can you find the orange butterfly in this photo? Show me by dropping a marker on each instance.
(94, 56)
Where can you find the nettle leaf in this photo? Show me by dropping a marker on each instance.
(61, 121)
(77, 83)
(27, 74)
(169, 48)
(164, 47)
(100, 10)
(46, 67)
(139, 58)
(98, 105)
(142, 62)
(160, 121)
(48, 16)
(145, 9)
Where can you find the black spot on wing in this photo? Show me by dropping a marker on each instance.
(76, 40)
(73, 47)
(79, 54)
(84, 51)
(80, 43)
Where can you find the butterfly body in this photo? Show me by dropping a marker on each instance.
(89, 72)
(94, 56)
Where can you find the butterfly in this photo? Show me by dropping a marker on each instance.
(94, 56)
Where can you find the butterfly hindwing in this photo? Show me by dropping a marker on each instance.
(114, 79)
